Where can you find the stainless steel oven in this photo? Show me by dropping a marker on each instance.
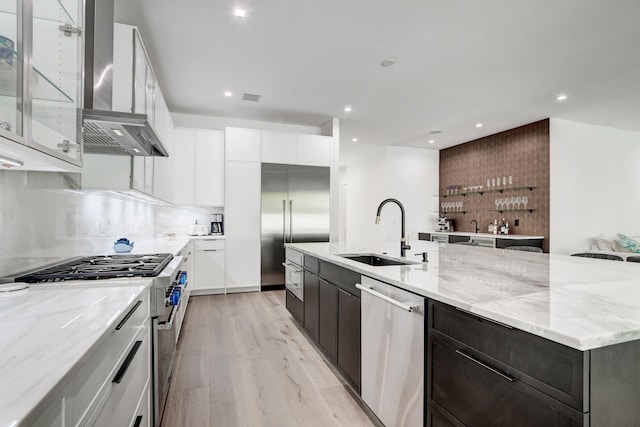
(166, 301)
(294, 273)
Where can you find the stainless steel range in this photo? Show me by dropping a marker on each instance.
(166, 291)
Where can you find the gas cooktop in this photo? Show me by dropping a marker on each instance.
(101, 267)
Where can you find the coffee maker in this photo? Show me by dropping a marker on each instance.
(217, 228)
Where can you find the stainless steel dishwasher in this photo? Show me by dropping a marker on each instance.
(392, 353)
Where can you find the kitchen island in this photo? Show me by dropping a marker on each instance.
(563, 333)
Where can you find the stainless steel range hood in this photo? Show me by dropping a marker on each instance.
(106, 131)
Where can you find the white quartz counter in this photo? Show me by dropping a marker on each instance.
(47, 329)
(580, 302)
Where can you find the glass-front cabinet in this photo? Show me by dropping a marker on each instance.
(42, 107)
(11, 56)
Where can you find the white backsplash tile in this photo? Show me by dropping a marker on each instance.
(45, 219)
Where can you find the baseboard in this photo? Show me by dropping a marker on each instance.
(271, 287)
(243, 289)
(196, 292)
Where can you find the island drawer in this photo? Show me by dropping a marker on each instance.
(311, 264)
(342, 277)
(554, 368)
(209, 245)
(466, 386)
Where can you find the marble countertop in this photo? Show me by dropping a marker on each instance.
(583, 303)
(48, 329)
(492, 236)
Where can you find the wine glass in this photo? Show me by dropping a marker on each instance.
(525, 200)
(460, 204)
(510, 181)
(518, 201)
(493, 182)
(498, 182)
(442, 206)
(513, 202)
(497, 202)
(504, 181)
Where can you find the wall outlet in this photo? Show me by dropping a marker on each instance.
(517, 222)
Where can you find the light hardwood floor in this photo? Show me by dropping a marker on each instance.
(241, 361)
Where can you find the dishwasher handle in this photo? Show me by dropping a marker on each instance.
(402, 305)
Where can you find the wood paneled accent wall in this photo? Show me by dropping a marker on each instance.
(522, 153)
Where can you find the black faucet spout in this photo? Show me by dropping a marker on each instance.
(403, 239)
(477, 229)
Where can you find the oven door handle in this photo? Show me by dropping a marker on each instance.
(291, 267)
(169, 324)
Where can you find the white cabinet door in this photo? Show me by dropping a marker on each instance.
(314, 150)
(242, 227)
(242, 144)
(209, 164)
(209, 268)
(185, 172)
(279, 147)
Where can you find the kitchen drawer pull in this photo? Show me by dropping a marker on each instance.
(127, 362)
(209, 250)
(290, 267)
(345, 292)
(138, 422)
(486, 318)
(484, 365)
(377, 294)
(123, 321)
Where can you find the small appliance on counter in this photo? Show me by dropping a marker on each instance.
(445, 224)
(198, 229)
(122, 245)
(217, 228)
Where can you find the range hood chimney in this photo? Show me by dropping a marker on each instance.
(106, 131)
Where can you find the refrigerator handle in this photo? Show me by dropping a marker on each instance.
(290, 221)
(284, 220)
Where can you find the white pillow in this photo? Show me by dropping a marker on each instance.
(605, 243)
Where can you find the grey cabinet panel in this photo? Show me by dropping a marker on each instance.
(311, 264)
(349, 351)
(328, 319)
(342, 277)
(555, 369)
(311, 303)
(295, 307)
(435, 419)
(478, 394)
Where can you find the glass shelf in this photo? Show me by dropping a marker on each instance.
(512, 210)
(497, 190)
(42, 88)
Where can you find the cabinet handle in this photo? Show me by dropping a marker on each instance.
(284, 221)
(291, 267)
(209, 250)
(383, 297)
(486, 318)
(127, 362)
(186, 259)
(345, 292)
(123, 321)
(138, 422)
(484, 365)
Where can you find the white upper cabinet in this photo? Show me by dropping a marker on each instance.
(185, 171)
(41, 85)
(209, 168)
(242, 144)
(295, 149)
(279, 147)
(199, 167)
(314, 150)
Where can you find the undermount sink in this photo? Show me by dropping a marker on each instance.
(375, 260)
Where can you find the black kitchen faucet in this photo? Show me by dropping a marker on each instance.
(403, 239)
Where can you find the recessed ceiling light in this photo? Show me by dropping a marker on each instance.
(561, 97)
(479, 125)
(387, 62)
(354, 139)
(117, 132)
(431, 141)
(240, 13)
(347, 109)
(435, 132)
(227, 94)
(136, 150)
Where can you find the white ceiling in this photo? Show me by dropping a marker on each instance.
(499, 62)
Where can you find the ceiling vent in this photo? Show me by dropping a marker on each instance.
(251, 97)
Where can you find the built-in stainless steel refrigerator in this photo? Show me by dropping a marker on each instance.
(295, 209)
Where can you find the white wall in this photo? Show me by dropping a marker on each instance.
(595, 184)
(219, 123)
(374, 173)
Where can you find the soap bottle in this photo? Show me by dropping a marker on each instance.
(495, 226)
